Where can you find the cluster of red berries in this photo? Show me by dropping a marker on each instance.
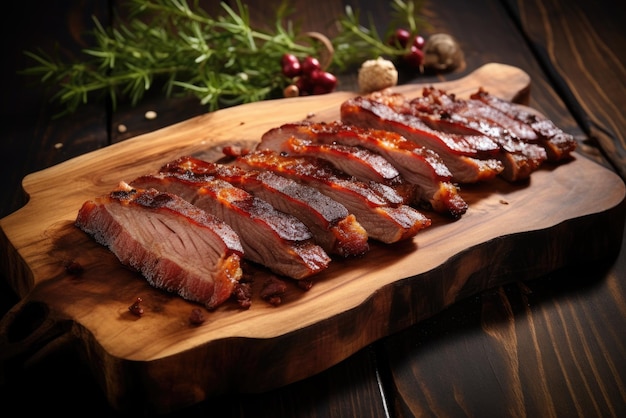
(402, 38)
(308, 76)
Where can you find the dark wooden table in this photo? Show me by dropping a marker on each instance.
(554, 346)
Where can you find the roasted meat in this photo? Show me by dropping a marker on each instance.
(310, 189)
(175, 245)
(382, 215)
(332, 226)
(362, 164)
(269, 237)
(416, 164)
(445, 112)
(357, 161)
(469, 158)
(531, 126)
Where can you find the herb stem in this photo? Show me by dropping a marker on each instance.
(222, 59)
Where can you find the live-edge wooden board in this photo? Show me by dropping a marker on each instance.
(160, 361)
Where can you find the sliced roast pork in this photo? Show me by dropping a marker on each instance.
(269, 237)
(445, 112)
(385, 220)
(531, 126)
(359, 162)
(416, 164)
(333, 227)
(470, 159)
(175, 245)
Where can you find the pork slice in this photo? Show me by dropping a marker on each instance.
(383, 220)
(269, 237)
(417, 165)
(341, 234)
(526, 124)
(478, 146)
(479, 116)
(352, 159)
(470, 117)
(176, 246)
(359, 162)
(469, 158)
(335, 229)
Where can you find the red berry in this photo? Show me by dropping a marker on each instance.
(400, 38)
(310, 64)
(323, 82)
(419, 42)
(414, 58)
(291, 65)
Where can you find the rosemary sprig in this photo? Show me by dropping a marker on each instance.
(357, 43)
(222, 59)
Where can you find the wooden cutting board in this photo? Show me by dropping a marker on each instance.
(160, 361)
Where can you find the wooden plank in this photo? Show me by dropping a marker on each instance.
(510, 348)
(161, 362)
(585, 64)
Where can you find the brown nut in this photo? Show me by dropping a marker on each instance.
(442, 52)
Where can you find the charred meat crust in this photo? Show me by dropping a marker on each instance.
(417, 165)
(274, 239)
(445, 112)
(384, 219)
(469, 159)
(173, 244)
(557, 144)
(332, 226)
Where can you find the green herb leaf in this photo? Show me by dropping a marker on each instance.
(222, 59)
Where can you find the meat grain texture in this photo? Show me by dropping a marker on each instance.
(173, 244)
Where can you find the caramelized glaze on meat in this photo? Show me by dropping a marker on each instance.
(175, 245)
(333, 227)
(417, 165)
(384, 219)
(269, 237)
